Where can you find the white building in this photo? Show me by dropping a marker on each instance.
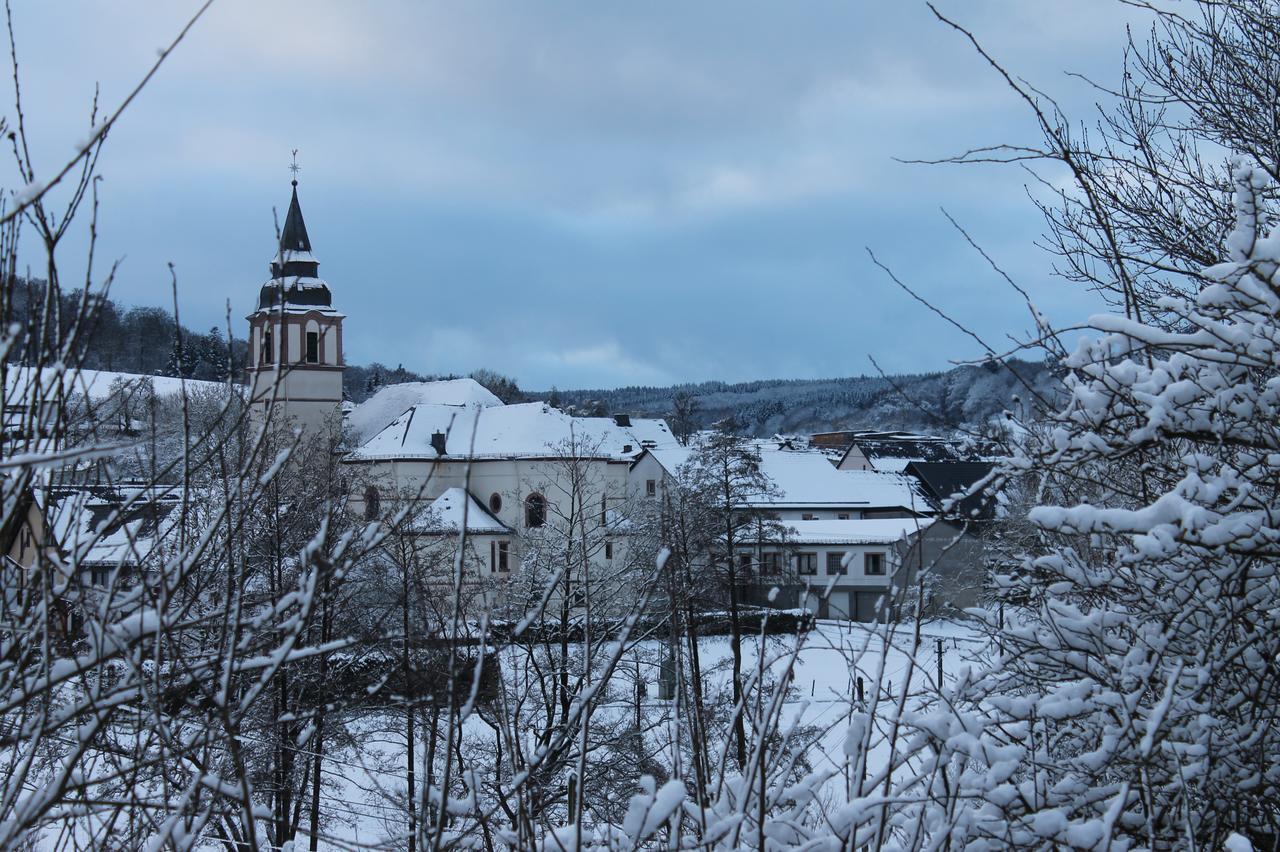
(850, 569)
(530, 469)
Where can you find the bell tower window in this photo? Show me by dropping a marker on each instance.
(267, 348)
(313, 347)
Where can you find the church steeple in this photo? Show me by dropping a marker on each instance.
(295, 272)
(295, 355)
(295, 258)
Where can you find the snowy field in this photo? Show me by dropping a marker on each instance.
(831, 659)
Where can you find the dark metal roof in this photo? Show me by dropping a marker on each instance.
(294, 261)
(294, 239)
(943, 479)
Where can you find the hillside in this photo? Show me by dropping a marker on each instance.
(147, 341)
(926, 401)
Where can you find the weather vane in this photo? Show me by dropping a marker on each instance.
(294, 167)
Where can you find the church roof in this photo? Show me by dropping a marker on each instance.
(391, 401)
(531, 430)
(295, 272)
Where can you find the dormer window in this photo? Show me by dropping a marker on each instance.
(313, 347)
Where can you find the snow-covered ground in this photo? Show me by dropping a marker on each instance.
(831, 659)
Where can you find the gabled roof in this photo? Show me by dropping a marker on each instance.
(941, 480)
(807, 479)
(531, 430)
(379, 410)
(444, 516)
(111, 526)
(893, 451)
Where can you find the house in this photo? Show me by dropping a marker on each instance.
(850, 569)
(112, 533)
(26, 533)
(805, 486)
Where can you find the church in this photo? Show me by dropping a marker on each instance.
(431, 454)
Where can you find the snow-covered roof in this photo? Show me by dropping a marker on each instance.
(528, 430)
(94, 528)
(95, 385)
(651, 432)
(444, 515)
(671, 458)
(875, 531)
(806, 478)
(379, 410)
(893, 451)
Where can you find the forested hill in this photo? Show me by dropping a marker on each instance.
(147, 341)
(926, 402)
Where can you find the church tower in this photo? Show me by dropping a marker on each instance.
(295, 335)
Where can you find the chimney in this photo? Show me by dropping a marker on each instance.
(622, 419)
(437, 442)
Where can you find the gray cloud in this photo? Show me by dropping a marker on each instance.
(579, 195)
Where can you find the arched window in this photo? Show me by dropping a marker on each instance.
(535, 510)
(495, 502)
(372, 503)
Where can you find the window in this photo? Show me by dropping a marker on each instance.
(806, 563)
(495, 502)
(268, 350)
(873, 564)
(535, 510)
(608, 550)
(744, 564)
(834, 566)
(843, 516)
(650, 487)
(500, 556)
(604, 511)
(313, 347)
(768, 564)
(807, 516)
(372, 503)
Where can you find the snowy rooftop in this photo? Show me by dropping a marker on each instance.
(650, 432)
(95, 385)
(99, 526)
(379, 410)
(528, 430)
(806, 478)
(809, 479)
(444, 516)
(876, 531)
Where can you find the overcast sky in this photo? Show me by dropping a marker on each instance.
(574, 193)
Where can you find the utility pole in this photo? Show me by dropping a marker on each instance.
(939, 665)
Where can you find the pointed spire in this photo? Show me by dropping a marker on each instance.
(294, 236)
(295, 257)
(295, 272)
